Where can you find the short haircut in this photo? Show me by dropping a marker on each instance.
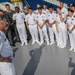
(7, 5)
(17, 7)
(40, 8)
(61, 1)
(73, 5)
(38, 3)
(59, 8)
(71, 10)
(45, 4)
(50, 6)
(30, 8)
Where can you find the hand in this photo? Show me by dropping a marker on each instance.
(50, 25)
(28, 27)
(57, 30)
(9, 59)
(70, 31)
(41, 26)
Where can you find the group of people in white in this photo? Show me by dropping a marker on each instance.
(47, 25)
(44, 25)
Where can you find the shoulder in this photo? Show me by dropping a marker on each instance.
(27, 16)
(64, 9)
(14, 14)
(54, 12)
(22, 12)
(2, 35)
(43, 13)
(73, 19)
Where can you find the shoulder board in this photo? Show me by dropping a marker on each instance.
(55, 12)
(43, 13)
(72, 19)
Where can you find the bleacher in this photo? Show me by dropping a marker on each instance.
(33, 3)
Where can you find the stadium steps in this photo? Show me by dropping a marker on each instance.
(56, 2)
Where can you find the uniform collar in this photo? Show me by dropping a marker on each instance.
(19, 12)
(32, 14)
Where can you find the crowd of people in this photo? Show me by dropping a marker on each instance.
(43, 24)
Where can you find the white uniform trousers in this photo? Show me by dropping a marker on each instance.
(42, 33)
(52, 31)
(7, 68)
(34, 32)
(72, 38)
(22, 32)
(62, 38)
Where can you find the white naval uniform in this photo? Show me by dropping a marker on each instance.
(65, 12)
(6, 51)
(31, 19)
(52, 30)
(41, 18)
(71, 23)
(45, 11)
(36, 11)
(62, 41)
(19, 17)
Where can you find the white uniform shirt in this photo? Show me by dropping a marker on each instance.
(64, 11)
(41, 18)
(19, 17)
(51, 17)
(36, 11)
(31, 19)
(71, 21)
(46, 12)
(5, 48)
(58, 18)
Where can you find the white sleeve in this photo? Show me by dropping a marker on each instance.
(14, 18)
(26, 19)
(37, 17)
(66, 12)
(24, 16)
(45, 17)
(74, 21)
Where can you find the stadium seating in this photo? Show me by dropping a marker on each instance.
(55, 3)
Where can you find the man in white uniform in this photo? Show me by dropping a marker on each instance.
(61, 29)
(19, 17)
(71, 29)
(45, 10)
(36, 11)
(63, 9)
(51, 22)
(41, 22)
(32, 26)
(6, 53)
